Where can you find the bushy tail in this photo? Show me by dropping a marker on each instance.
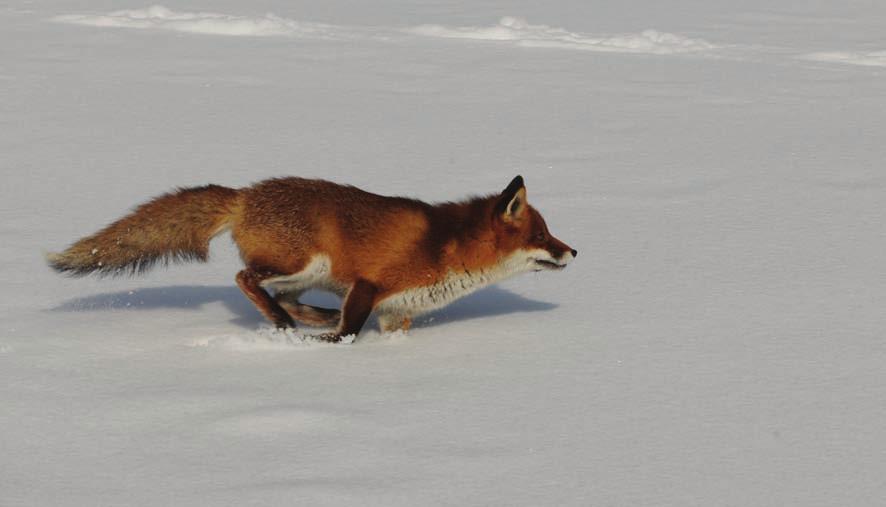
(173, 227)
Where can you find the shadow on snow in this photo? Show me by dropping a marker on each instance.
(487, 302)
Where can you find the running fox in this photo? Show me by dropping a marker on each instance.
(396, 256)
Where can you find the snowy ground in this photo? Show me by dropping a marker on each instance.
(719, 341)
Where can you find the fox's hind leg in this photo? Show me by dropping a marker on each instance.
(290, 287)
(249, 280)
(310, 315)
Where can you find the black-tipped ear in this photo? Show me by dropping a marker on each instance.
(512, 202)
(513, 186)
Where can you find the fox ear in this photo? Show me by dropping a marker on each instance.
(512, 202)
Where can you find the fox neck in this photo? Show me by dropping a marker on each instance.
(468, 258)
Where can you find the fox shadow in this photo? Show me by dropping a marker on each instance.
(487, 302)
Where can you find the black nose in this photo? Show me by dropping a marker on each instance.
(575, 253)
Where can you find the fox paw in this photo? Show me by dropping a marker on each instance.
(335, 338)
(328, 337)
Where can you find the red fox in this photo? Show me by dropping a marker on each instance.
(396, 256)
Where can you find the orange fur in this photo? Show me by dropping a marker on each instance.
(172, 227)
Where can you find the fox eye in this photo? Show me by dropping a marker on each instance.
(540, 236)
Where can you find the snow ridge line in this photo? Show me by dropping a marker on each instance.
(509, 29)
(521, 33)
(865, 59)
(158, 17)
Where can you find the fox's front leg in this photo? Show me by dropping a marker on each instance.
(354, 312)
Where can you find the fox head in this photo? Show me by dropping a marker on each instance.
(523, 235)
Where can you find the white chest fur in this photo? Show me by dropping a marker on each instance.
(456, 284)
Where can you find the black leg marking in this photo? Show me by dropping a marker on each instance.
(311, 315)
(357, 307)
(249, 281)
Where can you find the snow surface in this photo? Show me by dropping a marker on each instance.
(509, 28)
(158, 17)
(869, 58)
(718, 341)
(543, 36)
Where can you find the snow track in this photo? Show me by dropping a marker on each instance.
(266, 339)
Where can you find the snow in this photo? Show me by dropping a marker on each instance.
(270, 339)
(158, 17)
(509, 28)
(522, 33)
(718, 341)
(867, 58)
